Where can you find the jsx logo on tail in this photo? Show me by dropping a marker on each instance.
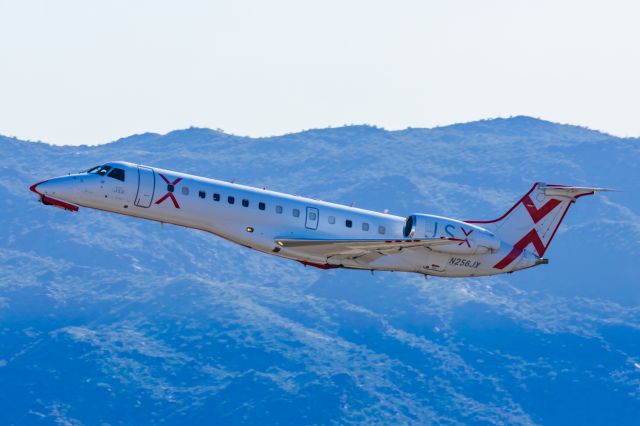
(526, 224)
(532, 237)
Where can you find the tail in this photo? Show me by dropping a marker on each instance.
(533, 221)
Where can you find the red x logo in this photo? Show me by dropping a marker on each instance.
(170, 188)
(537, 214)
(466, 239)
(532, 237)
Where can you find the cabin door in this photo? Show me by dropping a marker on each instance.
(146, 186)
(312, 218)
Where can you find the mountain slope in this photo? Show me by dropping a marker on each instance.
(117, 320)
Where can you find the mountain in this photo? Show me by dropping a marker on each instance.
(114, 320)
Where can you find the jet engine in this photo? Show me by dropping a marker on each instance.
(462, 237)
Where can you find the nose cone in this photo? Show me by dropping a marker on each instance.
(63, 188)
(57, 192)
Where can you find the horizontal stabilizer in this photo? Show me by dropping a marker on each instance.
(571, 192)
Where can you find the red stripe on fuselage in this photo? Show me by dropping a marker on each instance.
(52, 201)
(318, 265)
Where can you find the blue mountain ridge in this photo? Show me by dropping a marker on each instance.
(113, 320)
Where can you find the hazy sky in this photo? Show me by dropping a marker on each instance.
(87, 72)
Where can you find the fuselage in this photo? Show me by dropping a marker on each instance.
(260, 218)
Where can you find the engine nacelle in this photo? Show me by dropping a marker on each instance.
(464, 238)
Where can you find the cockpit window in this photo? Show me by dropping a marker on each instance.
(117, 174)
(100, 170)
(105, 170)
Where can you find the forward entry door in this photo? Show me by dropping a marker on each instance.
(312, 218)
(146, 186)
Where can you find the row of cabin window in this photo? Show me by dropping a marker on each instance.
(295, 212)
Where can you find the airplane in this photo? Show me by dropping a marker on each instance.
(323, 234)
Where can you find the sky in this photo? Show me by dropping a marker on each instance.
(89, 72)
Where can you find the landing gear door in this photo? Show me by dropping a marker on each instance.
(312, 218)
(146, 186)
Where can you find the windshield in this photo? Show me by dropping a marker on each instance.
(104, 170)
(99, 170)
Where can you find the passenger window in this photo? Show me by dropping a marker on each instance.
(262, 205)
(202, 194)
(365, 226)
(279, 209)
(245, 203)
(117, 174)
(231, 199)
(381, 230)
(348, 223)
(185, 190)
(332, 219)
(312, 216)
(216, 197)
(296, 213)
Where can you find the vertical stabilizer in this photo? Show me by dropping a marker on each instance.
(533, 221)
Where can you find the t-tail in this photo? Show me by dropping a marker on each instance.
(532, 222)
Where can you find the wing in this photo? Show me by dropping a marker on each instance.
(369, 248)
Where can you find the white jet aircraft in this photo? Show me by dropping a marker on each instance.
(322, 234)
